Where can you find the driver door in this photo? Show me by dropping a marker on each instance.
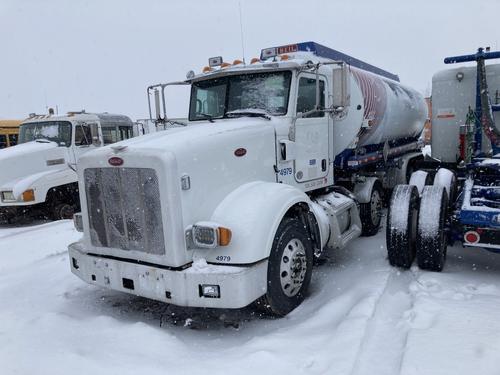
(83, 140)
(311, 132)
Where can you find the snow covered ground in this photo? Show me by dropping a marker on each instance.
(362, 317)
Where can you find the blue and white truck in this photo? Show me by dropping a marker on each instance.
(454, 195)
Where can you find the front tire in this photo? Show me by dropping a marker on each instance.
(289, 269)
(431, 236)
(402, 226)
(62, 211)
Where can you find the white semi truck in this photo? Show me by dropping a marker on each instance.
(39, 174)
(280, 159)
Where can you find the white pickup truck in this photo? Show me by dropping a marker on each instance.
(280, 159)
(39, 174)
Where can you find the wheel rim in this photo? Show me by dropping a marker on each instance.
(66, 212)
(375, 207)
(293, 267)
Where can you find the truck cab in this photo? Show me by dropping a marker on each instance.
(39, 173)
(232, 205)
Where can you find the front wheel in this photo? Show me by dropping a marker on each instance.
(289, 269)
(62, 211)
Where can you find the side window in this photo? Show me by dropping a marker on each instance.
(12, 139)
(125, 132)
(306, 96)
(83, 135)
(3, 141)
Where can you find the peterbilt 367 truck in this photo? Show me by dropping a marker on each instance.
(281, 159)
(39, 174)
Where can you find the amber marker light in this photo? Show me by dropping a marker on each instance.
(29, 195)
(224, 236)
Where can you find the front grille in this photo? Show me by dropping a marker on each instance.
(124, 209)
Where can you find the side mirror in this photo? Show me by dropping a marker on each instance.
(341, 87)
(94, 131)
(157, 104)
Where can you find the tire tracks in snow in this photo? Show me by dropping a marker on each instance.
(383, 345)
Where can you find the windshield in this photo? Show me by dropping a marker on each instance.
(266, 91)
(55, 131)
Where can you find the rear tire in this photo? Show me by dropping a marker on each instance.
(447, 179)
(431, 235)
(401, 227)
(371, 212)
(289, 269)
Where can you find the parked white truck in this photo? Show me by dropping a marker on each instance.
(281, 159)
(39, 173)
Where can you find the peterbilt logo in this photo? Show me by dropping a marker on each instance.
(115, 161)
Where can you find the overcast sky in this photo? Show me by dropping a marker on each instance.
(101, 55)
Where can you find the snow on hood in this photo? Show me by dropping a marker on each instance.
(25, 148)
(29, 159)
(179, 139)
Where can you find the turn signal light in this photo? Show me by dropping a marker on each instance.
(224, 236)
(29, 196)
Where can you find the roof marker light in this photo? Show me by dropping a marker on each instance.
(224, 65)
(237, 62)
(254, 60)
(207, 69)
(268, 52)
(215, 61)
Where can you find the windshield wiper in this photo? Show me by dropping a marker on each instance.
(206, 115)
(42, 140)
(250, 112)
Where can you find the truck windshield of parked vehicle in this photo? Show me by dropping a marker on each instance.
(53, 131)
(214, 98)
(116, 134)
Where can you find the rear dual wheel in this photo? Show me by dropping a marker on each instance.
(401, 226)
(431, 237)
(371, 212)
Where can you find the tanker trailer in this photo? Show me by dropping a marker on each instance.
(280, 160)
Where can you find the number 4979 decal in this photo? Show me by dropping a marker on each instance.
(285, 171)
(223, 258)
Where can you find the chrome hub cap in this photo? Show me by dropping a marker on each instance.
(293, 267)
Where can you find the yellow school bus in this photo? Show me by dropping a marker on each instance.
(9, 131)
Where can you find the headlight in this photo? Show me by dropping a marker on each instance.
(8, 196)
(210, 235)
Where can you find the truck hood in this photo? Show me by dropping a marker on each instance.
(195, 139)
(28, 159)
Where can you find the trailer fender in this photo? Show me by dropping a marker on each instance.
(253, 213)
(363, 190)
